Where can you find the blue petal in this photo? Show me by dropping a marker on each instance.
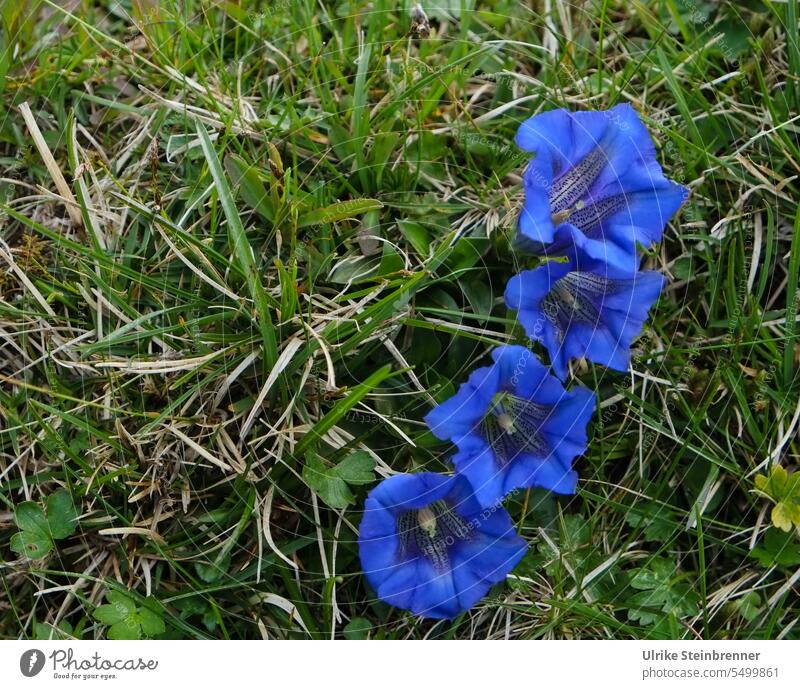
(525, 376)
(647, 212)
(644, 289)
(379, 558)
(628, 148)
(462, 498)
(535, 220)
(435, 595)
(558, 142)
(527, 288)
(598, 345)
(478, 464)
(597, 254)
(400, 587)
(549, 135)
(495, 522)
(378, 521)
(403, 492)
(485, 560)
(471, 587)
(570, 418)
(514, 362)
(459, 414)
(535, 472)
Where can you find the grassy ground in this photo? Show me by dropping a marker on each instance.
(254, 239)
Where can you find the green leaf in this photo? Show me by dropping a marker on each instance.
(119, 607)
(152, 623)
(109, 614)
(782, 517)
(784, 490)
(338, 211)
(29, 516)
(341, 408)
(331, 488)
(356, 469)
(30, 544)
(749, 606)
(478, 294)
(358, 629)
(127, 630)
(213, 571)
(34, 539)
(121, 601)
(417, 235)
(61, 515)
(242, 250)
(47, 632)
(778, 548)
(249, 185)
(126, 620)
(660, 592)
(656, 521)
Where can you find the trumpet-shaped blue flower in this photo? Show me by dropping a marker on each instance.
(584, 308)
(515, 426)
(427, 546)
(594, 179)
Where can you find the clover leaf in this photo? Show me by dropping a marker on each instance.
(126, 620)
(331, 484)
(37, 531)
(783, 489)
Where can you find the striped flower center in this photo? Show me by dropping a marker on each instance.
(569, 195)
(431, 531)
(512, 427)
(573, 299)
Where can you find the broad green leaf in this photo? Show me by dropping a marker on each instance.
(213, 571)
(29, 516)
(778, 548)
(784, 490)
(332, 489)
(417, 235)
(249, 185)
(48, 632)
(152, 624)
(31, 544)
(122, 602)
(109, 614)
(127, 630)
(61, 514)
(126, 620)
(785, 515)
(660, 592)
(34, 539)
(749, 606)
(358, 629)
(655, 520)
(356, 469)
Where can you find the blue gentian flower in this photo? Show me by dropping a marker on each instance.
(427, 546)
(584, 308)
(515, 426)
(594, 179)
